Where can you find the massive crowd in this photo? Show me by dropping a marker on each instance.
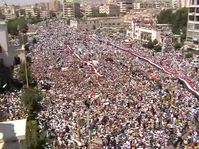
(94, 92)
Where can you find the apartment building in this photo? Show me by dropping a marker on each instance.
(192, 38)
(109, 9)
(70, 9)
(125, 5)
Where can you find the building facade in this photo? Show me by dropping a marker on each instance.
(70, 9)
(4, 49)
(192, 38)
(9, 11)
(109, 9)
(125, 6)
(102, 22)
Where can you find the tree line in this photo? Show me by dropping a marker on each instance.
(31, 98)
(178, 20)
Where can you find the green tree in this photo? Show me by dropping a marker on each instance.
(165, 17)
(177, 46)
(157, 48)
(155, 42)
(22, 73)
(22, 12)
(34, 139)
(16, 25)
(102, 15)
(31, 98)
(178, 20)
(179, 23)
(150, 44)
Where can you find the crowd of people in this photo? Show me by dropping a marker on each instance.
(97, 95)
(11, 107)
(120, 99)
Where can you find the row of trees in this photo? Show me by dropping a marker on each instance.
(31, 98)
(157, 47)
(177, 19)
(17, 25)
(20, 24)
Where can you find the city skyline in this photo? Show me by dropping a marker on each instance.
(21, 2)
(27, 2)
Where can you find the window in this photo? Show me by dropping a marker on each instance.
(197, 2)
(191, 18)
(197, 10)
(197, 26)
(197, 18)
(191, 10)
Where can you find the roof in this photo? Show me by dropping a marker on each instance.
(12, 130)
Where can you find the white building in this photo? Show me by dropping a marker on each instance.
(125, 6)
(4, 44)
(88, 10)
(68, 9)
(192, 38)
(44, 14)
(102, 22)
(143, 33)
(12, 134)
(9, 11)
(109, 9)
(184, 3)
(180, 3)
(31, 11)
(7, 53)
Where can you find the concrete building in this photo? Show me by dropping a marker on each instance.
(158, 4)
(9, 11)
(192, 38)
(7, 53)
(144, 5)
(91, 11)
(88, 10)
(144, 33)
(31, 11)
(109, 9)
(44, 14)
(55, 5)
(4, 53)
(148, 30)
(125, 5)
(184, 3)
(12, 134)
(102, 22)
(180, 3)
(70, 9)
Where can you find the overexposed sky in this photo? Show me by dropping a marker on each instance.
(22, 2)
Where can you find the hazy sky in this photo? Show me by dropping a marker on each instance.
(22, 2)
